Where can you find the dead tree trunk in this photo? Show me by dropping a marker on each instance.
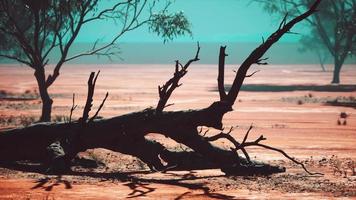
(60, 142)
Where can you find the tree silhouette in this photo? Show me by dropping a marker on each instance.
(334, 26)
(31, 29)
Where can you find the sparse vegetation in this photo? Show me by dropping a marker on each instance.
(300, 102)
(12, 96)
(21, 120)
(349, 101)
(344, 167)
(60, 118)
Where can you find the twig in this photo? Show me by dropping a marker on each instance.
(253, 73)
(167, 89)
(241, 146)
(290, 158)
(246, 135)
(259, 61)
(72, 109)
(100, 107)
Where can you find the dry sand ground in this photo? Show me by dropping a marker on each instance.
(296, 121)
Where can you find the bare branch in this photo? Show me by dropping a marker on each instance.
(221, 75)
(287, 156)
(72, 109)
(89, 101)
(283, 22)
(227, 136)
(128, 25)
(65, 47)
(241, 146)
(167, 89)
(100, 107)
(259, 61)
(253, 73)
(171, 104)
(246, 136)
(105, 11)
(261, 50)
(17, 59)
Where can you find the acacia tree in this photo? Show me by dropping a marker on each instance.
(334, 25)
(31, 29)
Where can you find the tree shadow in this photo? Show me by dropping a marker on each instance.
(140, 186)
(139, 189)
(49, 183)
(24, 166)
(342, 104)
(134, 180)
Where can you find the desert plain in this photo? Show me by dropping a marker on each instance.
(293, 106)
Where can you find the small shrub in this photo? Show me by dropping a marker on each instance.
(60, 118)
(338, 122)
(300, 102)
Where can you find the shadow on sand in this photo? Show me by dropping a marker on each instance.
(140, 186)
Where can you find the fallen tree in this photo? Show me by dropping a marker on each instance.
(58, 143)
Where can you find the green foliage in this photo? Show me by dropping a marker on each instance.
(169, 26)
(31, 29)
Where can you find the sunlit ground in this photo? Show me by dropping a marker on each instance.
(303, 123)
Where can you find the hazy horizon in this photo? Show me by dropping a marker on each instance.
(160, 53)
(238, 24)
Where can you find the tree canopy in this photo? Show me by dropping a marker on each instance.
(333, 27)
(31, 29)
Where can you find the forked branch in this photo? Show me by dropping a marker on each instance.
(100, 107)
(167, 89)
(89, 102)
(241, 146)
(255, 56)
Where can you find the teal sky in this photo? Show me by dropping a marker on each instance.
(212, 21)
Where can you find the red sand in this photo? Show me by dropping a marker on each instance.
(305, 130)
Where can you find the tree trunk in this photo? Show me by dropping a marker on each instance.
(337, 69)
(46, 99)
(58, 143)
